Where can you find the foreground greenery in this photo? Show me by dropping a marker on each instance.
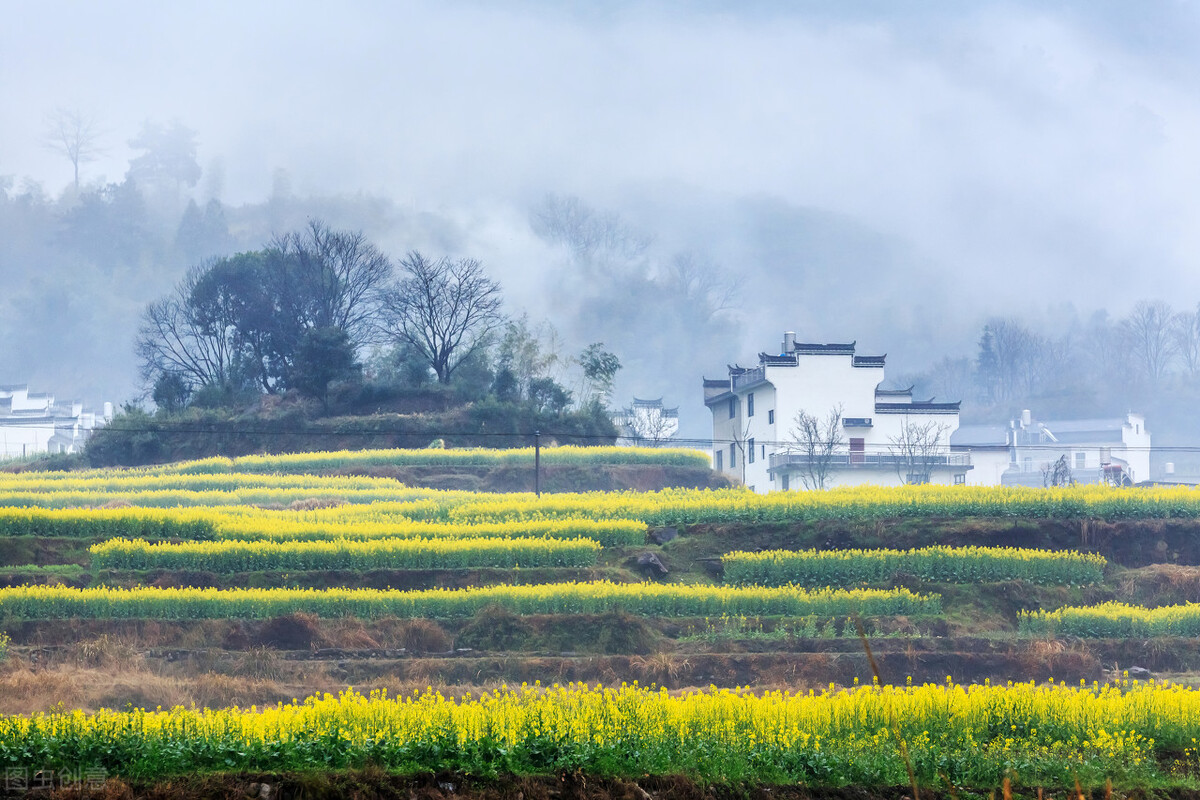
(969, 737)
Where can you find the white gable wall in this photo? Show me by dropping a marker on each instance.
(818, 383)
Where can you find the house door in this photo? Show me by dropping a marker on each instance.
(858, 451)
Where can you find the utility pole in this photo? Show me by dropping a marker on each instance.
(537, 462)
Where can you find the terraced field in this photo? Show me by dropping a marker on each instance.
(845, 637)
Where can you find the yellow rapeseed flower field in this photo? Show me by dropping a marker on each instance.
(971, 737)
(648, 599)
(938, 563)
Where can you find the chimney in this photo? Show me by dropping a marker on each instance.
(789, 342)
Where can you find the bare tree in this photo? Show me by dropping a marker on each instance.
(1058, 473)
(1148, 334)
(700, 285)
(444, 309)
(1185, 331)
(649, 424)
(592, 237)
(742, 441)
(1013, 348)
(917, 449)
(75, 135)
(818, 441)
(338, 277)
(175, 338)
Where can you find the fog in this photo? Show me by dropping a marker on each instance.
(885, 173)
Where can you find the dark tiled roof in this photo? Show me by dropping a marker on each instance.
(894, 392)
(917, 408)
(869, 361)
(814, 348)
(980, 436)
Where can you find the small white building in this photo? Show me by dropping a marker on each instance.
(1023, 453)
(33, 423)
(882, 436)
(646, 423)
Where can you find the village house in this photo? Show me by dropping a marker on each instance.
(646, 423)
(33, 423)
(1112, 450)
(878, 436)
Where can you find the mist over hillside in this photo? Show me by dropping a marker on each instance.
(680, 183)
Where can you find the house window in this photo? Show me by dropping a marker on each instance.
(720, 458)
(764, 452)
(733, 406)
(1027, 465)
(750, 450)
(733, 456)
(784, 477)
(960, 479)
(750, 405)
(1080, 460)
(771, 416)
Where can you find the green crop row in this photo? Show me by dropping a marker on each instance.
(646, 599)
(1113, 621)
(443, 553)
(946, 564)
(476, 456)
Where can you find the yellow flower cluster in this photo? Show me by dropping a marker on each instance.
(1114, 620)
(346, 554)
(942, 564)
(687, 506)
(970, 736)
(379, 525)
(470, 456)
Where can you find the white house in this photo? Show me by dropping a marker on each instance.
(882, 437)
(646, 423)
(32, 423)
(1023, 453)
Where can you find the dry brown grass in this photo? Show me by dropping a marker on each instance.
(423, 636)
(26, 688)
(106, 652)
(1160, 584)
(213, 690)
(259, 663)
(659, 667)
(23, 690)
(349, 633)
(116, 504)
(315, 503)
(421, 670)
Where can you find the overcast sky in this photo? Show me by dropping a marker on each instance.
(1027, 151)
